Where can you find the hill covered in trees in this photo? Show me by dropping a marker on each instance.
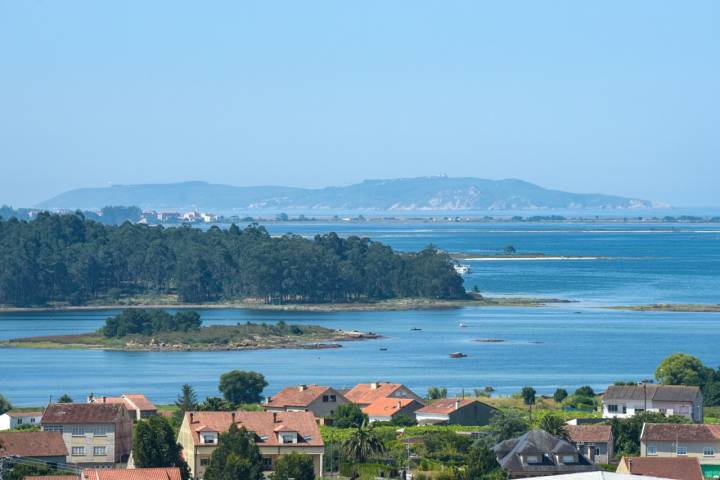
(70, 259)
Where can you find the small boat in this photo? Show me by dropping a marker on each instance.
(383, 349)
(457, 355)
(462, 269)
(415, 329)
(462, 325)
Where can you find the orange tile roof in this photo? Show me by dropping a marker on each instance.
(51, 477)
(387, 407)
(32, 444)
(262, 423)
(170, 473)
(365, 394)
(447, 406)
(589, 433)
(677, 468)
(132, 401)
(299, 396)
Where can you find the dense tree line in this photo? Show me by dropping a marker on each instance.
(149, 322)
(68, 258)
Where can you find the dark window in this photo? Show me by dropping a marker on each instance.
(333, 398)
(204, 462)
(325, 398)
(267, 464)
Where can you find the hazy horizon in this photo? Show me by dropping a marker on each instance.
(614, 97)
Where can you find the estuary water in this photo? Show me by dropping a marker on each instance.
(564, 345)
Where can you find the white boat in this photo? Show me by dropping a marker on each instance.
(462, 269)
(462, 325)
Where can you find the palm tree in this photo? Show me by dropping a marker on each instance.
(362, 444)
(554, 425)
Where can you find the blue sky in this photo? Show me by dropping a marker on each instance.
(616, 97)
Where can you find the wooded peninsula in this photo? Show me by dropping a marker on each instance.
(57, 260)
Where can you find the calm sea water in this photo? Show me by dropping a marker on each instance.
(564, 345)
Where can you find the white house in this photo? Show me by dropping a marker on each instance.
(624, 401)
(12, 420)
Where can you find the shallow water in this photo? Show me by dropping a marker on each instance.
(544, 347)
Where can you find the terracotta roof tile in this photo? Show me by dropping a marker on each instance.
(83, 413)
(670, 432)
(51, 477)
(589, 433)
(262, 423)
(32, 444)
(447, 406)
(299, 396)
(366, 393)
(678, 468)
(387, 407)
(131, 474)
(25, 414)
(132, 401)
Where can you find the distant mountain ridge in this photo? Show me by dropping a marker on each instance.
(403, 194)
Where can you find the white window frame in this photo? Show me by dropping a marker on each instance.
(101, 449)
(78, 451)
(533, 459)
(708, 452)
(78, 431)
(681, 451)
(568, 459)
(651, 451)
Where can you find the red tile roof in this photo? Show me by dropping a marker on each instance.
(670, 432)
(132, 401)
(51, 477)
(32, 444)
(172, 473)
(299, 396)
(388, 407)
(264, 424)
(677, 468)
(83, 413)
(366, 393)
(446, 406)
(589, 433)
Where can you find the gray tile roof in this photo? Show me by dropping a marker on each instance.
(658, 393)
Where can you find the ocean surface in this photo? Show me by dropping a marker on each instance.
(565, 345)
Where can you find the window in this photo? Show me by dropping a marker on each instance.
(533, 459)
(326, 398)
(568, 459)
(333, 398)
(267, 464)
(98, 451)
(52, 428)
(78, 431)
(204, 462)
(612, 408)
(32, 420)
(77, 451)
(209, 438)
(708, 452)
(651, 450)
(19, 422)
(681, 450)
(597, 451)
(100, 431)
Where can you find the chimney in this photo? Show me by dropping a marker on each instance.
(399, 403)
(302, 388)
(191, 417)
(274, 417)
(104, 398)
(457, 404)
(374, 386)
(232, 415)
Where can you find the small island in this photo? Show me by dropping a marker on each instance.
(157, 330)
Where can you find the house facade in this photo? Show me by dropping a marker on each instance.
(12, 420)
(671, 440)
(42, 446)
(455, 411)
(137, 404)
(624, 401)
(276, 434)
(321, 401)
(538, 454)
(593, 441)
(366, 393)
(386, 409)
(95, 435)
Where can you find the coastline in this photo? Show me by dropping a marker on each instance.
(385, 305)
